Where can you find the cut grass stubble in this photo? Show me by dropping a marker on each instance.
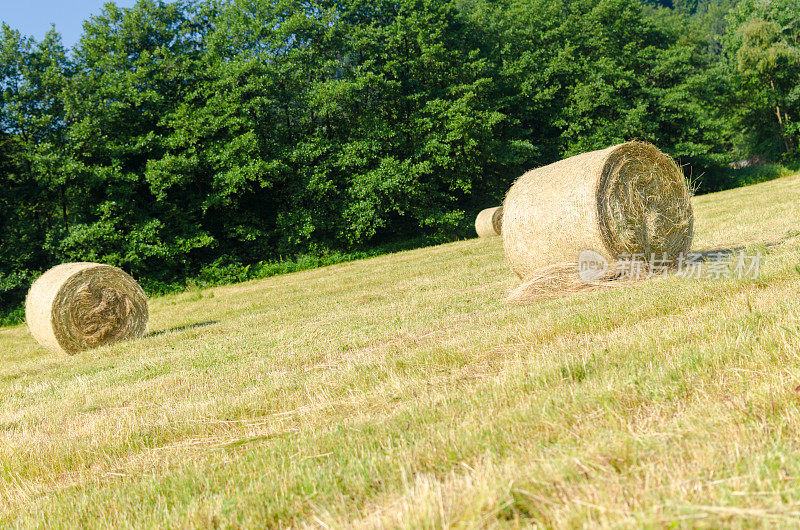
(402, 391)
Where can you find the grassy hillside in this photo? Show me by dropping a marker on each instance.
(402, 390)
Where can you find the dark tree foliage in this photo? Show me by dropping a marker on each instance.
(192, 138)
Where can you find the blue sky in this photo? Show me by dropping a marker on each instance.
(33, 17)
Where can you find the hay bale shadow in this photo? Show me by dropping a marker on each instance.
(181, 328)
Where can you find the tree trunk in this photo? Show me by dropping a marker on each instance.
(780, 118)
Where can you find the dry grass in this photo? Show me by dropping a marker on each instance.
(402, 391)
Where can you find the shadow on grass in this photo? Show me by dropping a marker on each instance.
(181, 328)
(725, 253)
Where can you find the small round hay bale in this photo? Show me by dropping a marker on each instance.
(629, 199)
(79, 306)
(489, 222)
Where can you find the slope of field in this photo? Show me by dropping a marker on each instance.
(403, 391)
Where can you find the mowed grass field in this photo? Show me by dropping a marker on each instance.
(402, 391)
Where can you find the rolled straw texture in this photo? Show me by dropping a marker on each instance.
(627, 199)
(79, 306)
(489, 222)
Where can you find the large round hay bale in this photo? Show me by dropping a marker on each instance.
(489, 222)
(627, 199)
(80, 306)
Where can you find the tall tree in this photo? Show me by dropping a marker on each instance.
(136, 66)
(763, 45)
(36, 191)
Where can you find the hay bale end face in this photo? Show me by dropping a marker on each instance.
(627, 199)
(79, 306)
(489, 222)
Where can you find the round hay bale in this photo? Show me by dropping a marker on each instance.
(79, 306)
(489, 222)
(629, 199)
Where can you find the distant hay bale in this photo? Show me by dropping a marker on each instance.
(80, 306)
(629, 199)
(489, 222)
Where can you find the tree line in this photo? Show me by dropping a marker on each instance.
(198, 138)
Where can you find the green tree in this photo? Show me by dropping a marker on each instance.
(136, 66)
(35, 187)
(763, 44)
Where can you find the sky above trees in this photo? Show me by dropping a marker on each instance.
(34, 17)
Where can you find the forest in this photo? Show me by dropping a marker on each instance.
(200, 142)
